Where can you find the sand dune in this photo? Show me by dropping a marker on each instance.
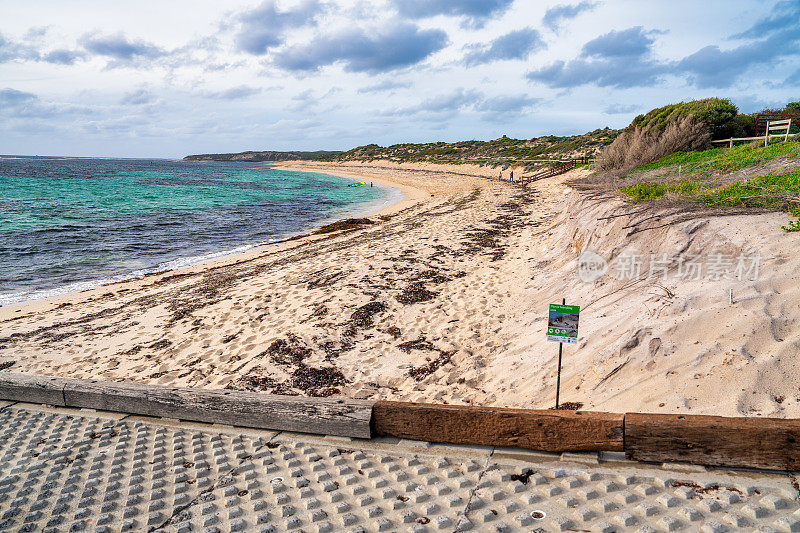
(445, 299)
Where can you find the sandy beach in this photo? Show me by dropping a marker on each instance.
(444, 298)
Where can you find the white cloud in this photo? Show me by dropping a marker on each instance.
(328, 74)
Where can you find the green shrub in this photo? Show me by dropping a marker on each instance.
(638, 146)
(738, 126)
(673, 128)
(687, 159)
(794, 106)
(715, 112)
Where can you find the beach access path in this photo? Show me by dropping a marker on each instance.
(65, 469)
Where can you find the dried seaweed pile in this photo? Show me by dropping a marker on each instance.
(421, 372)
(290, 353)
(348, 224)
(415, 293)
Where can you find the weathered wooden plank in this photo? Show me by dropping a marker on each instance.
(117, 396)
(325, 416)
(31, 388)
(714, 440)
(553, 431)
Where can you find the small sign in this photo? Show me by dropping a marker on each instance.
(562, 325)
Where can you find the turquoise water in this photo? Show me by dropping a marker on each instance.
(67, 223)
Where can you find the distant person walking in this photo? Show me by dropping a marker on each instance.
(512, 176)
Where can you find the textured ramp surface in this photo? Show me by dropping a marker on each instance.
(67, 470)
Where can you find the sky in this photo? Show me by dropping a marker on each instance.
(167, 79)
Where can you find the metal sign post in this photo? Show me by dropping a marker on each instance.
(562, 326)
(558, 379)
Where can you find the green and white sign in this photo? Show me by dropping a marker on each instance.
(562, 324)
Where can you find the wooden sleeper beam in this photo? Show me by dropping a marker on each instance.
(325, 416)
(552, 431)
(772, 443)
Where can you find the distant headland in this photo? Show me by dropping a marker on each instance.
(257, 157)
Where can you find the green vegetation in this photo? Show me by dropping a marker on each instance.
(504, 150)
(680, 127)
(769, 191)
(790, 110)
(722, 160)
(680, 133)
(317, 155)
(643, 192)
(715, 112)
(778, 190)
(738, 127)
(793, 225)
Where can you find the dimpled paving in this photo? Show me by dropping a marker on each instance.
(69, 470)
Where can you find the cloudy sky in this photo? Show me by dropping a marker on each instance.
(164, 79)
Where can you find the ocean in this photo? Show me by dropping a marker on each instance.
(68, 224)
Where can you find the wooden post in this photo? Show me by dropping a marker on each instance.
(766, 134)
(788, 129)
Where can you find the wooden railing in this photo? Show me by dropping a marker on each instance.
(555, 170)
(776, 125)
(763, 120)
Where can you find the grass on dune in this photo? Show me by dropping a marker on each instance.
(769, 191)
(722, 160)
(642, 192)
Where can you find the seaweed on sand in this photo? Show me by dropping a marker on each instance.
(479, 240)
(570, 406)
(364, 316)
(421, 372)
(288, 351)
(418, 344)
(433, 276)
(348, 224)
(314, 381)
(319, 280)
(415, 293)
(323, 381)
(394, 331)
(260, 383)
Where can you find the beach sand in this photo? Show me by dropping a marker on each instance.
(444, 299)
